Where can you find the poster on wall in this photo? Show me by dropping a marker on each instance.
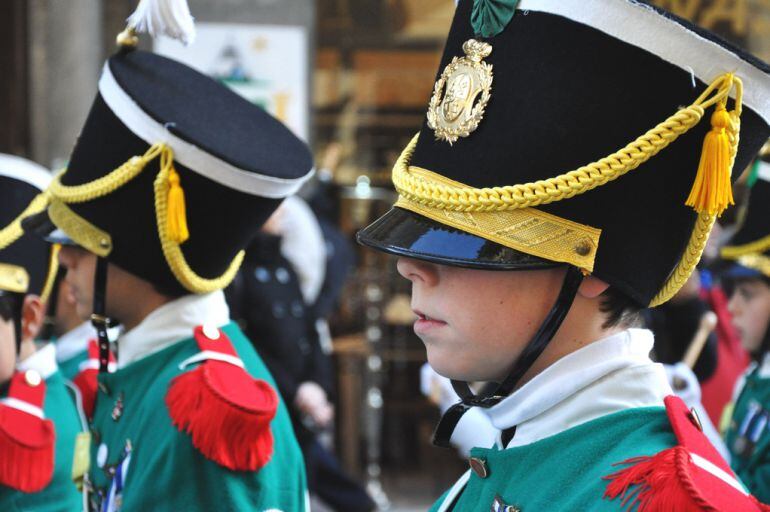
(266, 64)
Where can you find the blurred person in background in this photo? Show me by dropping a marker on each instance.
(747, 281)
(39, 421)
(276, 297)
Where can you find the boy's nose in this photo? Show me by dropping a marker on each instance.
(417, 270)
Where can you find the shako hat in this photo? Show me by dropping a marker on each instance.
(25, 260)
(173, 173)
(572, 132)
(749, 247)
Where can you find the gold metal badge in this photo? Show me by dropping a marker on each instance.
(461, 94)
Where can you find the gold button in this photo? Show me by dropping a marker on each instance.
(583, 248)
(104, 243)
(210, 332)
(33, 378)
(479, 466)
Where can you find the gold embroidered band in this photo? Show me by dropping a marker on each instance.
(527, 230)
(13, 278)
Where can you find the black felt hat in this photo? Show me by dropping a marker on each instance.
(573, 131)
(24, 258)
(749, 247)
(173, 174)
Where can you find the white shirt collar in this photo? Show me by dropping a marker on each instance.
(607, 376)
(43, 361)
(764, 367)
(170, 323)
(73, 342)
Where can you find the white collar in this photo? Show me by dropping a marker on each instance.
(43, 361)
(604, 377)
(73, 342)
(170, 323)
(764, 368)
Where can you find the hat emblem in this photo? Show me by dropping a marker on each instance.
(461, 93)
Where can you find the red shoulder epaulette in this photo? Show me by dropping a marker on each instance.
(691, 476)
(86, 379)
(27, 439)
(226, 411)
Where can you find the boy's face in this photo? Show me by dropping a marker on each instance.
(7, 349)
(81, 268)
(475, 323)
(750, 308)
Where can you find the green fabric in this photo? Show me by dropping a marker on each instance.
(61, 494)
(752, 465)
(490, 17)
(565, 472)
(165, 472)
(71, 367)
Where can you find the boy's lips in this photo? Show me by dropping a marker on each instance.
(425, 323)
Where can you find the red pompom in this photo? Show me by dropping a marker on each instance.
(226, 412)
(26, 440)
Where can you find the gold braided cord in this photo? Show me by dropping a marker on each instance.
(173, 254)
(689, 259)
(574, 182)
(53, 269)
(100, 242)
(13, 231)
(735, 251)
(705, 221)
(108, 183)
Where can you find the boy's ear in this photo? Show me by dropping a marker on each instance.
(592, 287)
(32, 316)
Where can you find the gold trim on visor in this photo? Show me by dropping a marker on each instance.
(758, 262)
(733, 252)
(527, 230)
(13, 278)
(79, 229)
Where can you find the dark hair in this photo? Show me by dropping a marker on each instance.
(621, 310)
(11, 305)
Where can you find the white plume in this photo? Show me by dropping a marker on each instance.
(164, 17)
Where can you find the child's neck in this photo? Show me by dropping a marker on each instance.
(584, 324)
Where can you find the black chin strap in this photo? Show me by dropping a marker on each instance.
(489, 397)
(99, 318)
(49, 322)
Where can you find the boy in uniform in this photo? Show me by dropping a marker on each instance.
(39, 422)
(560, 184)
(171, 177)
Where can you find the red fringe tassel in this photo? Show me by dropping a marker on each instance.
(653, 484)
(235, 436)
(25, 466)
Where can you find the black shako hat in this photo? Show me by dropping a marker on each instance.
(28, 264)
(572, 131)
(749, 247)
(173, 174)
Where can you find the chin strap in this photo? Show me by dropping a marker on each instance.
(99, 318)
(531, 352)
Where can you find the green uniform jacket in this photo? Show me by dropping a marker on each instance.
(748, 436)
(61, 494)
(140, 461)
(565, 472)
(71, 367)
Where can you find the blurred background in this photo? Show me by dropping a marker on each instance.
(353, 79)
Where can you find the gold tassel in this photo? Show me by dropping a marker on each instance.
(177, 216)
(712, 191)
